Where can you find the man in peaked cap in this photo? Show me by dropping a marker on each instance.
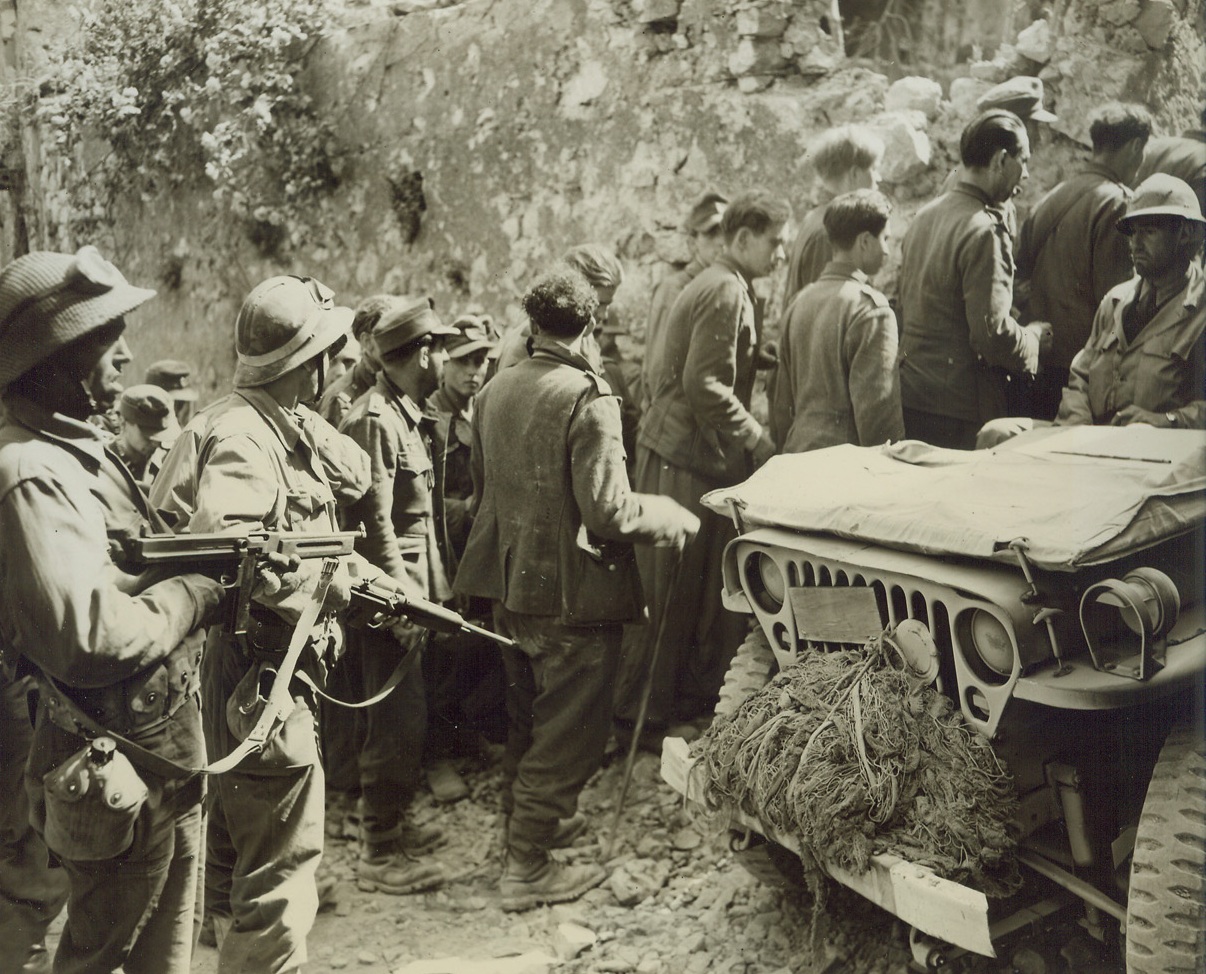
(398, 514)
(342, 391)
(260, 458)
(115, 659)
(1022, 95)
(176, 379)
(466, 669)
(149, 428)
(1145, 361)
(1070, 252)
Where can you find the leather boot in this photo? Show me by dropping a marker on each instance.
(388, 864)
(532, 878)
(386, 867)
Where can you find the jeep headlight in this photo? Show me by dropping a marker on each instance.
(1126, 621)
(765, 581)
(991, 642)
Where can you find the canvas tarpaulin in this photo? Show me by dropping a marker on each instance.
(1077, 495)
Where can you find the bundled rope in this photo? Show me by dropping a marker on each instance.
(852, 756)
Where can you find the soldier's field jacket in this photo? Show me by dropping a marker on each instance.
(122, 645)
(1162, 371)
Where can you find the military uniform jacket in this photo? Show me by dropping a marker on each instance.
(123, 646)
(1071, 253)
(836, 380)
(958, 339)
(247, 463)
(397, 510)
(452, 442)
(699, 417)
(555, 517)
(1163, 370)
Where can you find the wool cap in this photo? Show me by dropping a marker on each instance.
(48, 300)
(705, 215)
(173, 377)
(473, 332)
(1162, 195)
(152, 410)
(284, 322)
(1022, 95)
(408, 322)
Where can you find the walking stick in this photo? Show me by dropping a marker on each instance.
(646, 692)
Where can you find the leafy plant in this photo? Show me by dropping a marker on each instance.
(164, 94)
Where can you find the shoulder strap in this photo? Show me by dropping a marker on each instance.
(405, 665)
(277, 707)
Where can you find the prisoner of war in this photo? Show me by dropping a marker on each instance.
(551, 545)
(837, 380)
(959, 340)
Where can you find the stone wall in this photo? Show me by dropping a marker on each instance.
(481, 139)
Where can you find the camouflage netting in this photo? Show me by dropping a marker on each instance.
(851, 756)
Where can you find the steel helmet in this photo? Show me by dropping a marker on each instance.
(1162, 195)
(284, 322)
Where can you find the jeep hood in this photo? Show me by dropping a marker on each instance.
(1078, 495)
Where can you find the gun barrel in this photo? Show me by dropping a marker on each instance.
(489, 634)
(429, 615)
(160, 549)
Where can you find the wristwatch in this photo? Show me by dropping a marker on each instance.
(1172, 419)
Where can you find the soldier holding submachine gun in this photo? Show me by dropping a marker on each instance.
(261, 465)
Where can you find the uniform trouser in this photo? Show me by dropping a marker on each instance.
(394, 729)
(700, 637)
(942, 431)
(136, 912)
(133, 911)
(1048, 392)
(31, 893)
(266, 832)
(342, 728)
(559, 689)
(463, 673)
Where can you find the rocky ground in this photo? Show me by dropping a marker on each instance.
(677, 902)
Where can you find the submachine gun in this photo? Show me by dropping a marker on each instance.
(235, 559)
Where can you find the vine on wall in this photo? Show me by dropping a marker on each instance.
(164, 95)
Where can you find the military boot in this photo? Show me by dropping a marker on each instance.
(532, 878)
(387, 865)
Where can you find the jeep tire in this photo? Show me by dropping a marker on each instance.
(1166, 908)
(752, 667)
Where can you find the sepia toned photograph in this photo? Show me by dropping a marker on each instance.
(602, 486)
